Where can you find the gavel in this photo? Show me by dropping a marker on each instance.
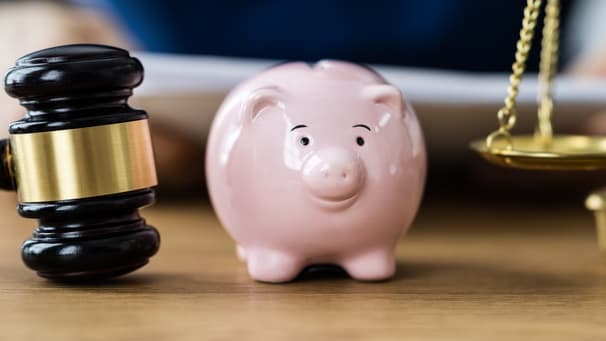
(81, 162)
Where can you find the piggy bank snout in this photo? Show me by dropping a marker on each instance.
(333, 174)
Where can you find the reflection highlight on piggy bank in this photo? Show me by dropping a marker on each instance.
(316, 164)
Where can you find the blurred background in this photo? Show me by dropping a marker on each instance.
(443, 53)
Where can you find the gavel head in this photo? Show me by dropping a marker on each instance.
(81, 162)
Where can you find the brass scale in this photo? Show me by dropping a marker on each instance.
(543, 150)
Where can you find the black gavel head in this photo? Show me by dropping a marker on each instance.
(81, 162)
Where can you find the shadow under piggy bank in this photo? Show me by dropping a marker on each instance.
(433, 276)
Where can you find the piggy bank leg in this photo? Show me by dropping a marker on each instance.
(375, 265)
(241, 252)
(272, 266)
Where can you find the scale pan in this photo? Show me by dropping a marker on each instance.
(566, 152)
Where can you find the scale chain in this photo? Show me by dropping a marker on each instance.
(547, 68)
(507, 115)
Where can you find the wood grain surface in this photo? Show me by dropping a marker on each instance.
(467, 271)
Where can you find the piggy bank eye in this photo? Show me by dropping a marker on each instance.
(304, 140)
(360, 141)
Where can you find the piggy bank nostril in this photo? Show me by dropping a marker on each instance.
(344, 175)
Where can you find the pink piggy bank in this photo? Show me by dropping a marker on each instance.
(321, 164)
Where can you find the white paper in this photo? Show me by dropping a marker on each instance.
(178, 73)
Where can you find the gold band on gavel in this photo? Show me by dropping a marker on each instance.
(83, 162)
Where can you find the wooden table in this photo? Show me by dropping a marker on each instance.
(466, 272)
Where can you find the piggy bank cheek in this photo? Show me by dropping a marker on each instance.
(394, 182)
(275, 155)
(267, 142)
(258, 167)
(255, 146)
(390, 159)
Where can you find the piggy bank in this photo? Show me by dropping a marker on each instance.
(316, 164)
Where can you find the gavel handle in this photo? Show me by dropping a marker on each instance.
(7, 181)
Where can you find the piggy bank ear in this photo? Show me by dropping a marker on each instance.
(260, 100)
(385, 94)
